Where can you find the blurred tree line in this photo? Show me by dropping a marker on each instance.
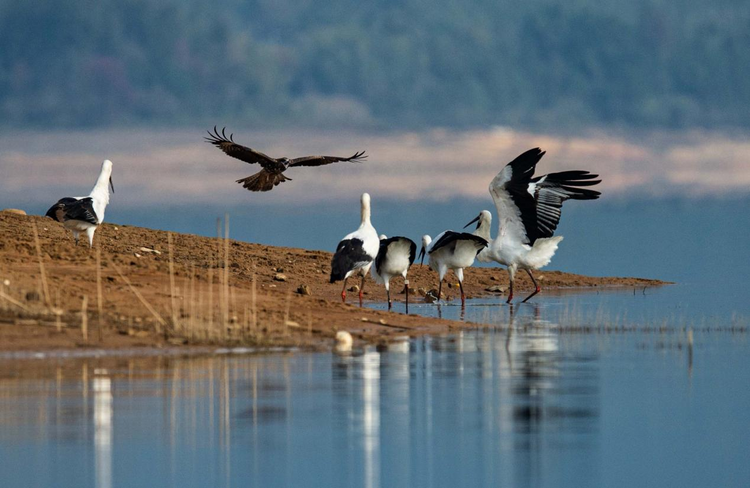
(379, 63)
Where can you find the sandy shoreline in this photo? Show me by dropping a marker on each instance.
(204, 302)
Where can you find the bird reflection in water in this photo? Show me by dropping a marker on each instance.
(102, 387)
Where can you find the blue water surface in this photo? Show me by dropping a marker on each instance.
(526, 406)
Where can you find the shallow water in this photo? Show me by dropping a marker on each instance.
(676, 306)
(532, 401)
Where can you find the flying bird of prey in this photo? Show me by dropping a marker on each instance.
(273, 168)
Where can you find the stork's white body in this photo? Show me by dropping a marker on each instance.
(100, 199)
(394, 258)
(370, 242)
(508, 249)
(445, 259)
(457, 255)
(397, 263)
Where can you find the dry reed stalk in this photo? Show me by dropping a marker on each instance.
(14, 301)
(45, 288)
(220, 276)
(233, 314)
(99, 301)
(4, 305)
(175, 323)
(85, 319)
(253, 303)
(285, 325)
(58, 311)
(245, 322)
(226, 269)
(184, 296)
(199, 311)
(140, 297)
(210, 302)
(191, 299)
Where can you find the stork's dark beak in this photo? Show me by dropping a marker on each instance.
(111, 185)
(475, 220)
(421, 256)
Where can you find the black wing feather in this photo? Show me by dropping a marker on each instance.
(350, 254)
(358, 157)
(69, 208)
(238, 151)
(523, 168)
(450, 237)
(554, 189)
(540, 212)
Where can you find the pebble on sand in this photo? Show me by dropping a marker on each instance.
(279, 277)
(496, 289)
(304, 290)
(16, 211)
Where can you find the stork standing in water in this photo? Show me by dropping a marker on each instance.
(84, 214)
(356, 251)
(452, 250)
(528, 212)
(273, 168)
(395, 256)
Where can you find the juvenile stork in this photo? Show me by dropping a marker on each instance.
(528, 212)
(356, 251)
(273, 168)
(451, 250)
(395, 256)
(84, 214)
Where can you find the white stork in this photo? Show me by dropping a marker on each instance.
(356, 251)
(84, 214)
(528, 212)
(452, 250)
(395, 256)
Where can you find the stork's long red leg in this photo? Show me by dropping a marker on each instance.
(463, 297)
(406, 284)
(343, 291)
(361, 288)
(538, 288)
(510, 292)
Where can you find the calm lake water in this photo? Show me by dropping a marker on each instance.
(576, 389)
(525, 406)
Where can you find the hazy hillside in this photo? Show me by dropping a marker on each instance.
(646, 63)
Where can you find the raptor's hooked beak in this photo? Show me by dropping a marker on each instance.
(421, 256)
(111, 185)
(475, 220)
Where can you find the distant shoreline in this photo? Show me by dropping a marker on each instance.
(134, 258)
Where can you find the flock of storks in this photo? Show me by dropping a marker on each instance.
(528, 210)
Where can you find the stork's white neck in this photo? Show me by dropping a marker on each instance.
(100, 192)
(365, 212)
(484, 228)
